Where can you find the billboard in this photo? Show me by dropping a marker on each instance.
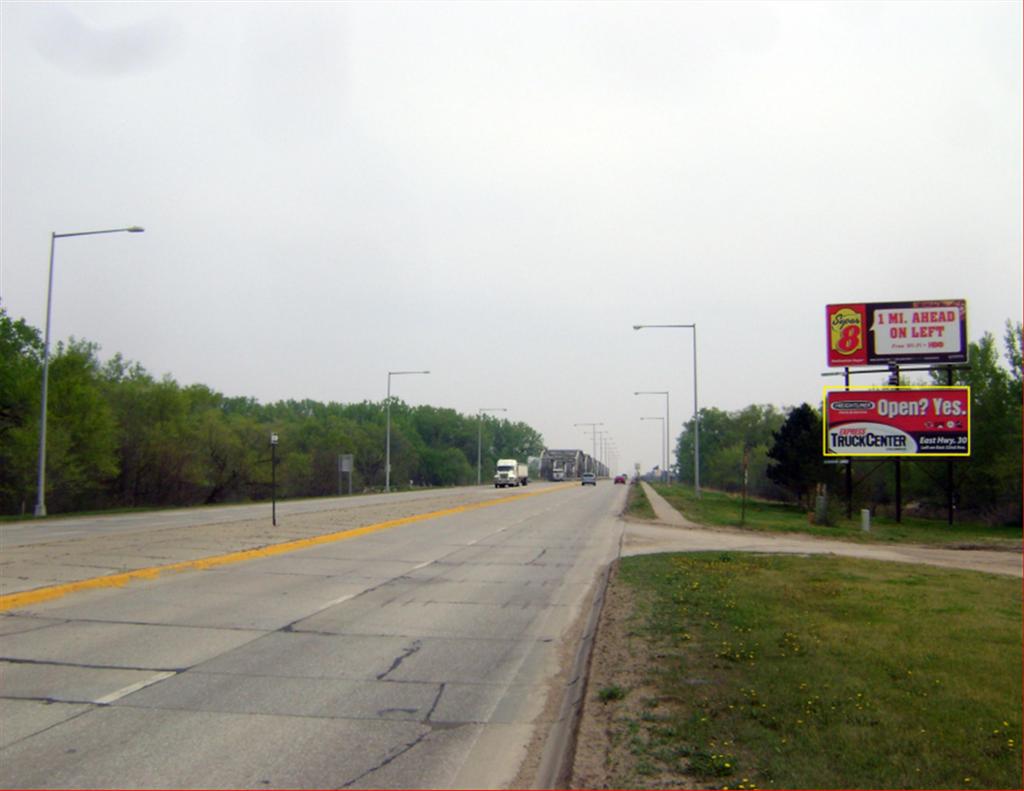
(897, 421)
(878, 333)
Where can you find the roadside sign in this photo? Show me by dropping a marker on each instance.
(897, 421)
(873, 333)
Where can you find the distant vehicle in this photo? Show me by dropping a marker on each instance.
(511, 473)
(589, 479)
(620, 479)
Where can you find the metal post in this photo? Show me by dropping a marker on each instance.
(849, 462)
(40, 508)
(666, 445)
(593, 459)
(696, 406)
(273, 479)
(668, 440)
(387, 441)
(696, 419)
(950, 503)
(899, 492)
(664, 460)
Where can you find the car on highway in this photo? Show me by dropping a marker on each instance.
(620, 479)
(589, 479)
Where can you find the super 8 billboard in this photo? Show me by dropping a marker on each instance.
(897, 421)
(878, 333)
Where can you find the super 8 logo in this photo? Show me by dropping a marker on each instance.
(847, 331)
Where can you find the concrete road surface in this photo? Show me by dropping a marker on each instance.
(414, 655)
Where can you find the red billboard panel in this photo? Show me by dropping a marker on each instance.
(878, 333)
(897, 421)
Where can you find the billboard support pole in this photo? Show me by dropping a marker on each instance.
(894, 380)
(849, 465)
(949, 465)
(899, 494)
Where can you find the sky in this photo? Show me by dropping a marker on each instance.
(498, 192)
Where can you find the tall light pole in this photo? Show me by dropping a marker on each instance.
(668, 428)
(664, 460)
(480, 433)
(387, 445)
(40, 509)
(603, 435)
(594, 436)
(696, 408)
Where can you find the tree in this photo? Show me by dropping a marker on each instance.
(81, 450)
(989, 482)
(797, 454)
(21, 354)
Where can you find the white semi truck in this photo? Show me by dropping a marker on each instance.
(511, 473)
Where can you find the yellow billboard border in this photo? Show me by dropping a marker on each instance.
(889, 389)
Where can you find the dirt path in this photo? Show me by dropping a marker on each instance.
(672, 532)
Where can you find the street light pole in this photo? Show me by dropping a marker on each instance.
(479, 433)
(696, 408)
(668, 427)
(593, 459)
(664, 460)
(599, 459)
(40, 509)
(387, 444)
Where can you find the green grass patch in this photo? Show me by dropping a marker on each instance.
(637, 504)
(610, 693)
(825, 672)
(719, 508)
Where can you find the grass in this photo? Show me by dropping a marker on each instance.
(719, 508)
(822, 673)
(637, 504)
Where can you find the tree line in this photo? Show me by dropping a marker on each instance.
(119, 437)
(783, 448)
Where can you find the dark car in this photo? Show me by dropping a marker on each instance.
(620, 479)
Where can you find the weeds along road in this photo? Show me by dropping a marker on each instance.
(407, 642)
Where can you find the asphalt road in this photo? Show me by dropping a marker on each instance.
(417, 656)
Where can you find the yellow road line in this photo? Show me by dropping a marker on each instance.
(39, 595)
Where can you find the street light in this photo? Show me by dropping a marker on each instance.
(602, 435)
(387, 448)
(479, 433)
(40, 509)
(593, 459)
(664, 460)
(668, 427)
(696, 409)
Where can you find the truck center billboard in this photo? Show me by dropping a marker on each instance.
(873, 333)
(897, 421)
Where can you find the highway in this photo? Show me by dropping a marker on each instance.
(422, 654)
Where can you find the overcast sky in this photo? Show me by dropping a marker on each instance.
(497, 192)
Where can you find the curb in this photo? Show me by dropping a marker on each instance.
(555, 770)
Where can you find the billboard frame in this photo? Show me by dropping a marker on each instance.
(902, 424)
(921, 328)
